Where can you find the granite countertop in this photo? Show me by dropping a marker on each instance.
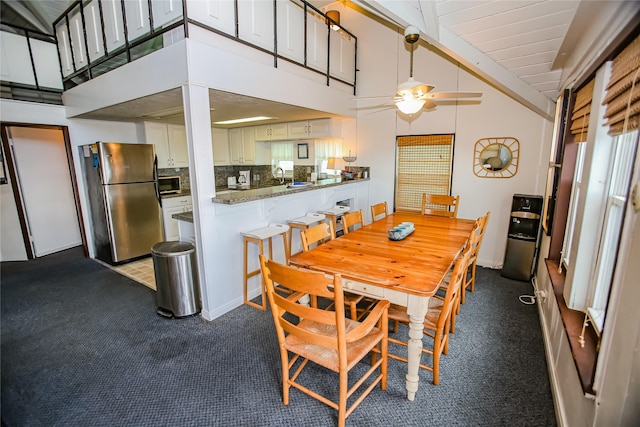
(183, 216)
(243, 196)
(172, 195)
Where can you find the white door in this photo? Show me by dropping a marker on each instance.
(45, 183)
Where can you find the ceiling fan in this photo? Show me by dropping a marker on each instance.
(412, 95)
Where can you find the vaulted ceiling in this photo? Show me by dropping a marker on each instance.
(522, 47)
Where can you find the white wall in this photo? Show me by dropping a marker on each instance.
(495, 116)
(80, 132)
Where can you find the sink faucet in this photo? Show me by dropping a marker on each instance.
(281, 179)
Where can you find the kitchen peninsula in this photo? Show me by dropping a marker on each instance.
(233, 197)
(241, 211)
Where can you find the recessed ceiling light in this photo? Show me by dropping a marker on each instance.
(244, 120)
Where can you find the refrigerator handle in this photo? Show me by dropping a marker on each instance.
(155, 178)
(155, 168)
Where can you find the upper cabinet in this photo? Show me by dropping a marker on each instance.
(242, 146)
(321, 128)
(170, 142)
(275, 132)
(220, 146)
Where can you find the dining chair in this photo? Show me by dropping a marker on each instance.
(446, 205)
(437, 321)
(474, 236)
(352, 219)
(470, 277)
(317, 235)
(326, 338)
(379, 209)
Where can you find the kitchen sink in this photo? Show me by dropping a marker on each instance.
(298, 184)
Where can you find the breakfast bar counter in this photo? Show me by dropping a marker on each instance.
(233, 197)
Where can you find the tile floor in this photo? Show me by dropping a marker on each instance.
(141, 271)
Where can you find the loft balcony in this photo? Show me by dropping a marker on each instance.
(98, 36)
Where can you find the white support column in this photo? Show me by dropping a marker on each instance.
(198, 127)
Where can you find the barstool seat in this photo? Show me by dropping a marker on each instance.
(334, 213)
(259, 236)
(303, 223)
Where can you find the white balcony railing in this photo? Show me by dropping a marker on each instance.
(27, 65)
(99, 35)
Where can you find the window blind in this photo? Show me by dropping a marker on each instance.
(424, 165)
(623, 91)
(580, 115)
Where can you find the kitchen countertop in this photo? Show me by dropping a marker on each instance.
(172, 195)
(183, 216)
(243, 196)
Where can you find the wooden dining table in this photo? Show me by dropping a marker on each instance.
(406, 272)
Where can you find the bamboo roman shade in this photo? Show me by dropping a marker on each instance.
(424, 165)
(581, 109)
(623, 91)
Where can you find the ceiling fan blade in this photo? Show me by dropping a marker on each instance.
(377, 106)
(450, 95)
(370, 97)
(429, 104)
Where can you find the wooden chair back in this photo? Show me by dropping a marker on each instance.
(379, 209)
(475, 242)
(452, 295)
(352, 219)
(317, 235)
(325, 337)
(446, 205)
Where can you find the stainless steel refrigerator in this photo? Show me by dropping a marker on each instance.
(126, 211)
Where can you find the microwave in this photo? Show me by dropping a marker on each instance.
(169, 184)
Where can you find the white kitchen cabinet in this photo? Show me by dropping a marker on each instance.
(274, 132)
(242, 147)
(321, 128)
(171, 206)
(170, 142)
(220, 146)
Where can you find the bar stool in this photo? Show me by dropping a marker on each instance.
(334, 213)
(303, 223)
(259, 236)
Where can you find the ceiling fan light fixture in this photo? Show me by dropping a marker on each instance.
(410, 105)
(333, 19)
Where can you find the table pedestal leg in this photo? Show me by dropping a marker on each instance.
(414, 350)
(416, 309)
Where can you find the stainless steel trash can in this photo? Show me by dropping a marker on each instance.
(177, 287)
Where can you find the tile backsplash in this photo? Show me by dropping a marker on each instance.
(183, 173)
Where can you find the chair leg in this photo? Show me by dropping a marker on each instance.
(353, 311)
(473, 276)
(342, 399)
(436, 357)
(284, 357)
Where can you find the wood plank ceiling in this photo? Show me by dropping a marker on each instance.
(520, 46)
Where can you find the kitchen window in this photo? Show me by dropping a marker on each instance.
(282, 157)
(326, 149)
